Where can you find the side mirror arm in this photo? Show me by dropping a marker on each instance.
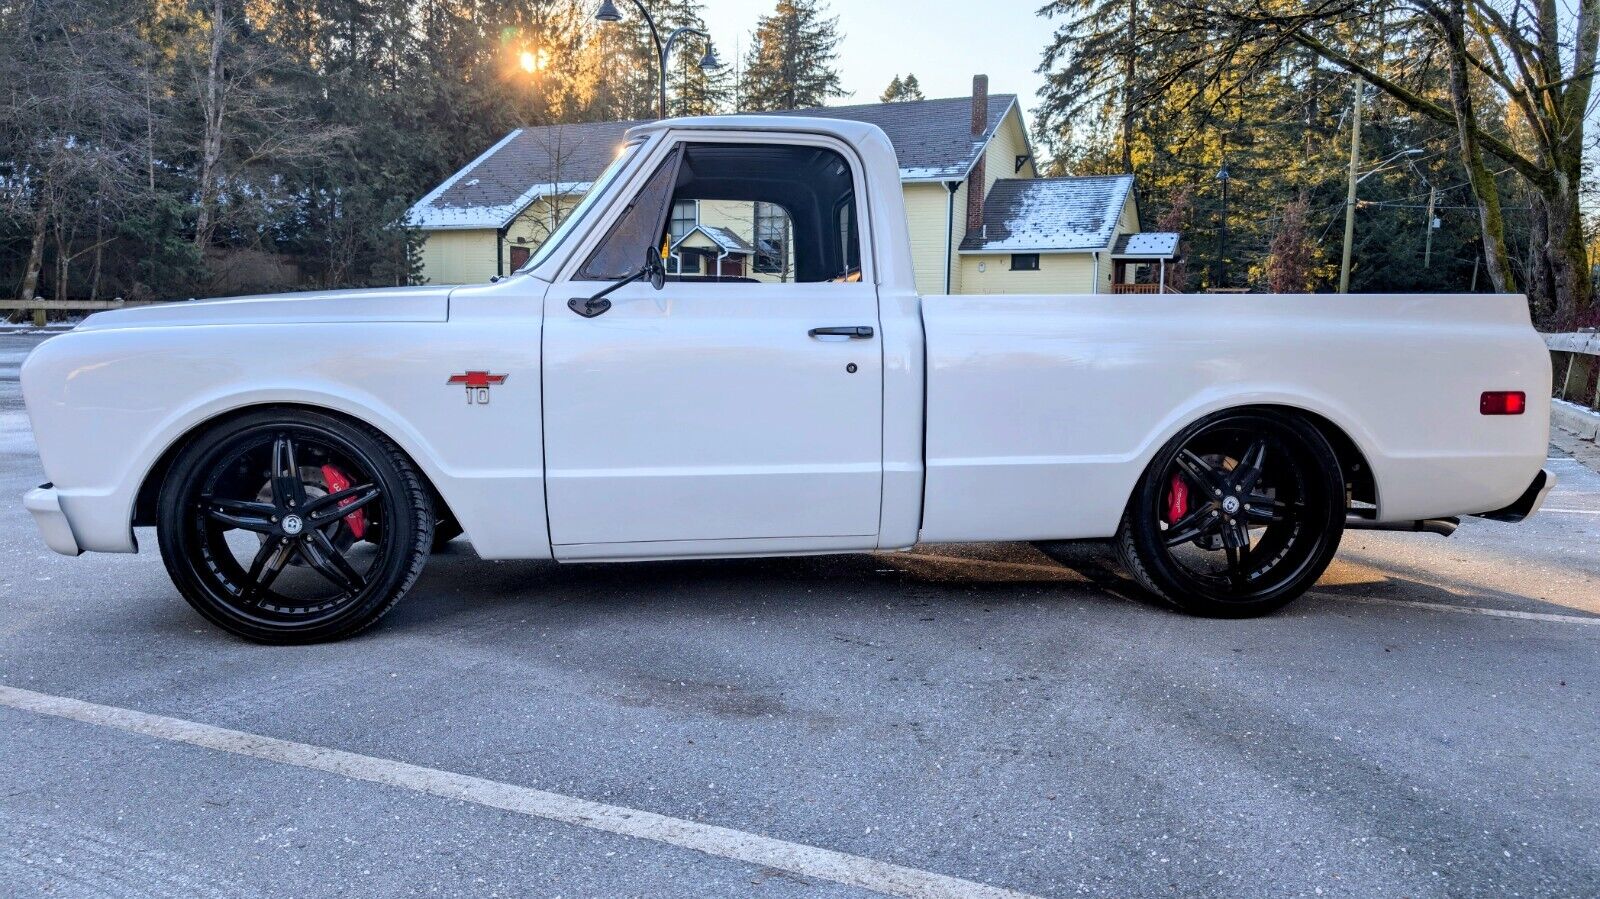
(598, 304)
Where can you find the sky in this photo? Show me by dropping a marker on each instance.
(944, 42)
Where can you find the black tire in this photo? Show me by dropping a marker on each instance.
(1266, 518)
(226, 535)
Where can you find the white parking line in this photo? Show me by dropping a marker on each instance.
(1570, 511)
(797, 858)
(1467, 610)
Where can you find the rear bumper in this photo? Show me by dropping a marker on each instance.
(45, 504)
(1528, 503)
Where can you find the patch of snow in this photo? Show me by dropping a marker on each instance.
(429, 217)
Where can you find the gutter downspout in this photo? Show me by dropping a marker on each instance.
(500, 252)
(949, 228)
(1094, 285)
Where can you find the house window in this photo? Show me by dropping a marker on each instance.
(1024, 262)
(772, 238)
(685, 215)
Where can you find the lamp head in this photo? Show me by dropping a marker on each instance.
(607, 12)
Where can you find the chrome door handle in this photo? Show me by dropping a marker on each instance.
(855, 332)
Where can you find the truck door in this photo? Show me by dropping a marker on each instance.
(740, 407)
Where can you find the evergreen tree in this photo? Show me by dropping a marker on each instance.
(895, 91)
(792, 59)
(693, 90)
(902, 90)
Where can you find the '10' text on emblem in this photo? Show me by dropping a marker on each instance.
(477, 384)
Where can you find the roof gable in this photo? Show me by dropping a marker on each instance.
(721, 237)
(1037, 214)
(932, 139)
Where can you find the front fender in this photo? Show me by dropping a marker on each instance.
(107, 405)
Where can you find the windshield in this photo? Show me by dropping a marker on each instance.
(578, 213)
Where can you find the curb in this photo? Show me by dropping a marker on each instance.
(1575, 419)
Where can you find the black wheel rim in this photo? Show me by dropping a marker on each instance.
(288, 527)
(1238, 509)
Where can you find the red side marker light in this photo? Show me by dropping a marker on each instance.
(1503, 402)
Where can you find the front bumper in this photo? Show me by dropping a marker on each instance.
(45, 504)
(1528, 503)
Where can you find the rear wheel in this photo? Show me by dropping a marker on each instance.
(293, 527)
(1236, 516)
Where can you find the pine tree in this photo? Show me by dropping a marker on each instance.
(792, 59)
(902, 90)
(693, 90)
(894, 92)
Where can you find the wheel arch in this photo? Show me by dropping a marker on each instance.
(1361, 484)
(145, 500)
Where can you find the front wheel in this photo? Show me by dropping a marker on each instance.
(293, 527)
(1236, 516)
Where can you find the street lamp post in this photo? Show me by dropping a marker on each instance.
(608, 13)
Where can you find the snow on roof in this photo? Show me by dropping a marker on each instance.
(722, 237)
(933, 141)
(1029, 215)
(1147, 245)
(524, 166)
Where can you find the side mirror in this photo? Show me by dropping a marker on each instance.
(654, 268)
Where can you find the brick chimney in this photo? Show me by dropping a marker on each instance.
(980, 125)
(980, 105)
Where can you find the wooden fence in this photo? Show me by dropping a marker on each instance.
(40, 307)
(1575, 359)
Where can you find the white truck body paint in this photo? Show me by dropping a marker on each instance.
(704, 421)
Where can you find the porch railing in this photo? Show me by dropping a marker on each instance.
(1141, 288)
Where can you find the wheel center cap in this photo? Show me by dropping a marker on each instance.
(293, 525)
(1230, 505)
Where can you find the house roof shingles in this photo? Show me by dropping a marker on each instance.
(1042, 214)
(932, 139)
(526, 164)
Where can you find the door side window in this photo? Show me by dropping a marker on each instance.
(769, 213)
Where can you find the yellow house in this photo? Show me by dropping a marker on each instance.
(980, 219)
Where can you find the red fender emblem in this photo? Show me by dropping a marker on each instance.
(477, 384)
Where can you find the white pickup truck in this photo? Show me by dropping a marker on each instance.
(299, 455)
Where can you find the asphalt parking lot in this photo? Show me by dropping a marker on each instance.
(1424, 724)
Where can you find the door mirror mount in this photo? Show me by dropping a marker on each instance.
(653, 271)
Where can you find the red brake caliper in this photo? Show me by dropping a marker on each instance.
(1177, 499)
(336, 481)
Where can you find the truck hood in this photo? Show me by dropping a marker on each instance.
(389, 304)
